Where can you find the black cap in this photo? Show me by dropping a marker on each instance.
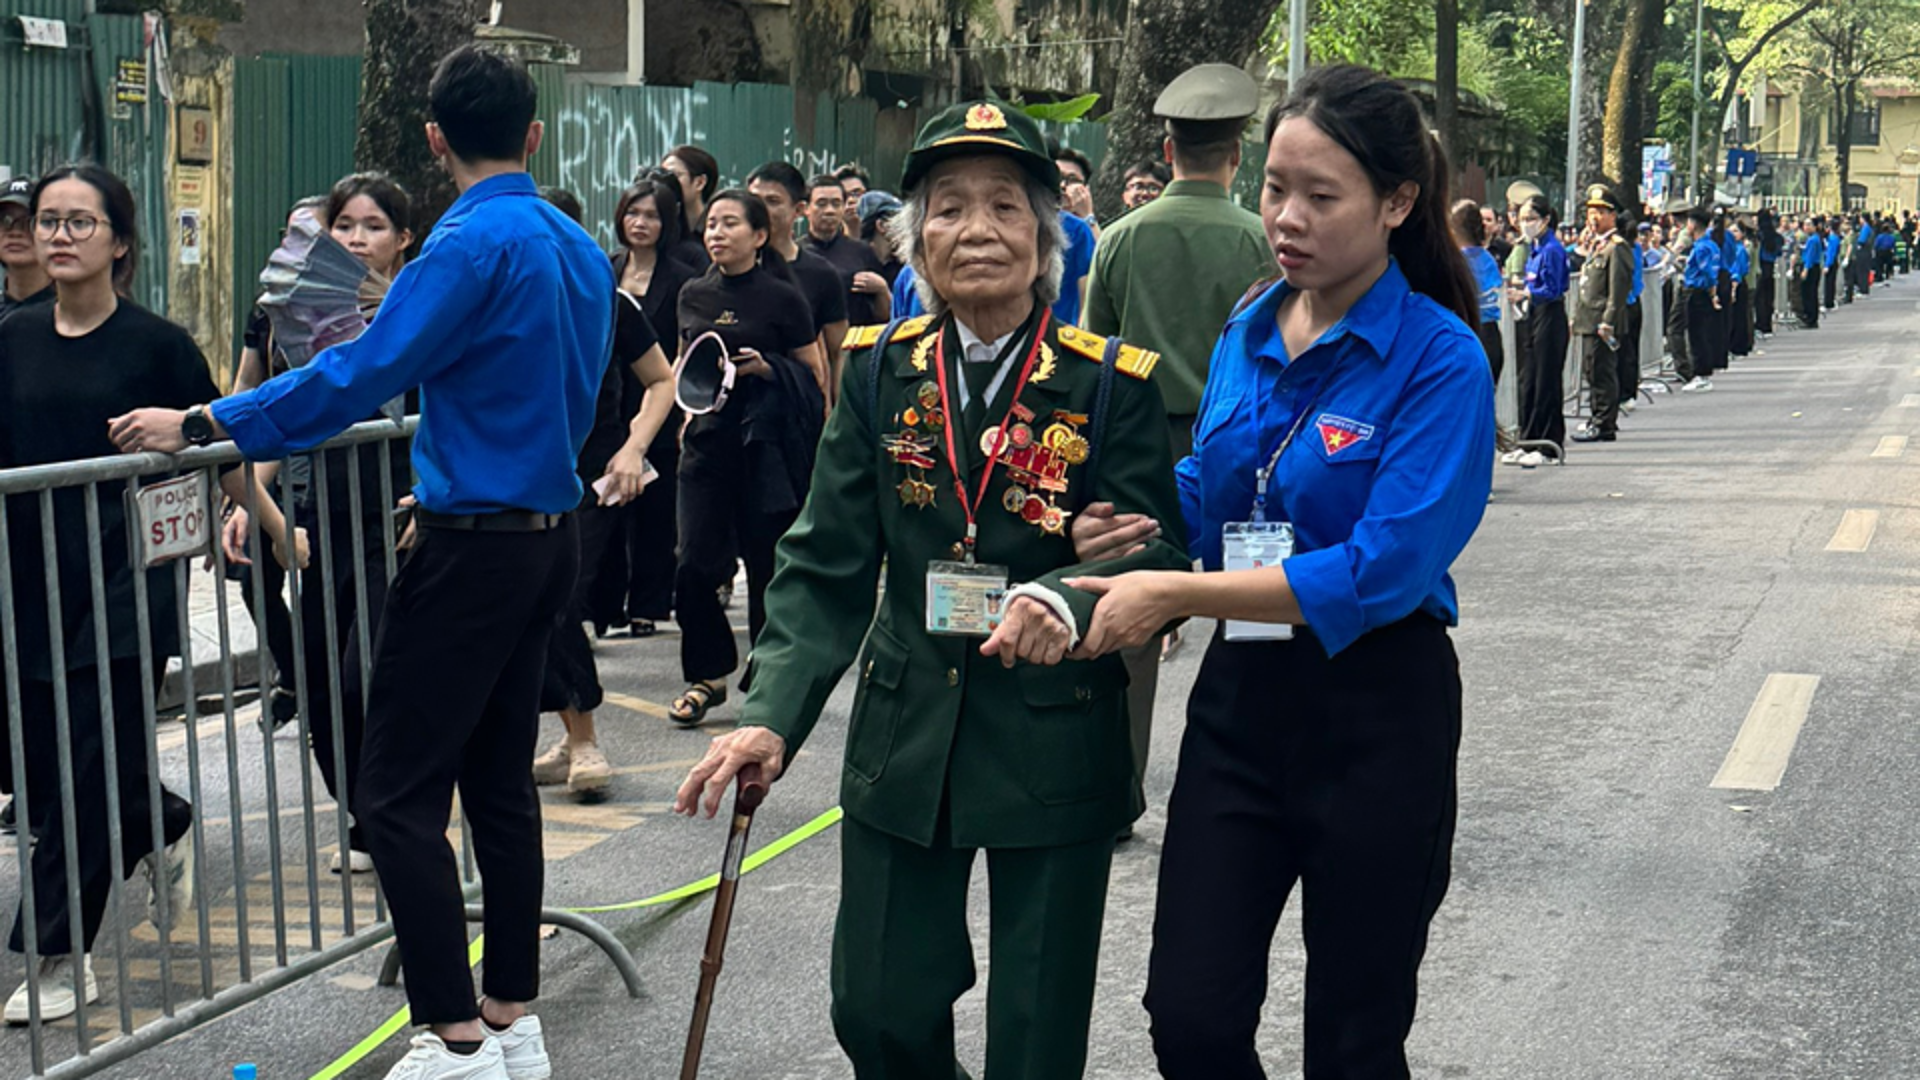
(980, 127)
(17, 190)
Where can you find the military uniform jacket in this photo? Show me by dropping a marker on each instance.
(1606, 279)
(1028, 757)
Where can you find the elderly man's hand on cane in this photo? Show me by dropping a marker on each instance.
(707, 783)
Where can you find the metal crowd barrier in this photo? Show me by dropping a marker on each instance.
(263, 916)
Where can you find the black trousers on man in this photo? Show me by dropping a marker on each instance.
(1706, 333)
(1676, 328)
(1810, 297)
(87, 717)
(1601, 365)
(1344, 783)
(1628, 354)
(1831, 276)
(455, 700)
(1763, 300)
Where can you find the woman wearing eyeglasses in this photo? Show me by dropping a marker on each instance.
(743, 468)
(66, 369)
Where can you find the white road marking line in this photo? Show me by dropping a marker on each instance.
(1911, 401)
(1759, 753)
(1855, 531)
(1891, 446)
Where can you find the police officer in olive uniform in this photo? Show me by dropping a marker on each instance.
(963, 443)
(1600, 312)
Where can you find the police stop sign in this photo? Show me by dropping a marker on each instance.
(171, 519)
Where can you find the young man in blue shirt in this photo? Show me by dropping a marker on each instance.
(505, 324)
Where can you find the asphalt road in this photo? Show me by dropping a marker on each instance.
(1612, 915)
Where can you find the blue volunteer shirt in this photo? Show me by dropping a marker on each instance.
(1833, 249)
(1547, 270)
(1864, 236)
(1883, 242)
(1703, 264)
(505, 323)
(1639, 273)
(906, 297)
(1387, 479)
(1738, 261)
(1486, 278)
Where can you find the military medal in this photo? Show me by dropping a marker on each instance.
(1053, 520)
(1014, 498)
(1020, 436)
(927, 394)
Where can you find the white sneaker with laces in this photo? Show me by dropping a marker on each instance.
(360, 861)
(56, 992)
(431, 1060)
(1532, 459)
(524, 1048)
(1512, 457)
(172, 870)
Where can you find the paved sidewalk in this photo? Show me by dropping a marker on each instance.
(204, 601)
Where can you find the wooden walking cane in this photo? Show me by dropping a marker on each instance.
(746, 800)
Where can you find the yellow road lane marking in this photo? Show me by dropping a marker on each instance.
(1759, 753)
(639, 705)
(1891, 446)
(1855, 531)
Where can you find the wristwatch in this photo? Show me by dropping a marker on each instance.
(197, 428)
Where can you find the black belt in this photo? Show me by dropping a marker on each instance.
(517, 521)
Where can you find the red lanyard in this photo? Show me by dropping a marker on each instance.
(972, 508)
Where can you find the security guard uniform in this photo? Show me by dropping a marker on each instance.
(949, 752)
(1606, 280)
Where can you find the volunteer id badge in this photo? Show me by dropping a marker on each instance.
(965, 599)
(1251, 545)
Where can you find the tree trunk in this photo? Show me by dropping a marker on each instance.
(1843, 141)
(1446, 80)
(1627, 97)
(405, 40)
(1165, 38)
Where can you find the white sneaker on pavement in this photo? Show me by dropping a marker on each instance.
(552, 767)
(172, 870)
(1700, 385)
(1512, 457)
(431, 1060)
(361, 862)
(1532, 459)
(1628, 406)
(524, 1048)
(56, 991)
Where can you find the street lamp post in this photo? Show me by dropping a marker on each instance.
(1573, 108)
(1693, 157)
(1296, 42)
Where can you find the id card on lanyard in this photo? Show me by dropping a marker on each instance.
(1258, 543)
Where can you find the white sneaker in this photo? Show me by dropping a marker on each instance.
(431, 1060)
(1532, 459)
(1512, 457)
(361, 862)
(1628, 406)
(172, 870)
(56, 991)
(1700, 385)
(524, 1048)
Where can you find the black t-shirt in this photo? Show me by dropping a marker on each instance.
(821, 284)
(632, 337)
(851, 256)
(662, 305)
(56, 396)
(8, 305)
(756, 310)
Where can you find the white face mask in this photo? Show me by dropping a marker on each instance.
(1533, 229)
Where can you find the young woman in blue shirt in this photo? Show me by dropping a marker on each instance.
(1542, 415)
(1470, 231)
(1321, 743)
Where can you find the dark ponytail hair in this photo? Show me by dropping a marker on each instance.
(757, 217)
(1379, 122)
(121, 215)
(1545, 212)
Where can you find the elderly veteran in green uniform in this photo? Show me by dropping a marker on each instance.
(1600, 311)
(961, 446)
(1166, 277)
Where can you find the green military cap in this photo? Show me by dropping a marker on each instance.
(1209, 93)
(1600, 196)
(980, 127)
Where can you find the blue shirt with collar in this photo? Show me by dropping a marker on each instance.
(1738, 261)
(1547, 270)
(1865, 235)
(1833, 248)
(504, 322)
(1703, 264)
(1388, 477)
(1639, 273)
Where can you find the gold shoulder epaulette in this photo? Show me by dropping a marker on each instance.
(861, 337)
(1618, 239)
(1133, 360)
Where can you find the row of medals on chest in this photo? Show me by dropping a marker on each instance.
(1036, 462)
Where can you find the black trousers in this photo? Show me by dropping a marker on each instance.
(1489, 334)
(456, 700)
(334, 582)
(1676, 328)
(1832, 282)
(132, 689)
(1704, 336)
(572, 679)
(719, 519)
(1542, 393)
(1628, 354)
(1740, 321)
(1810, 296)
(1763, 300)
(1601, 365)
(633, 578)
(1344, 783)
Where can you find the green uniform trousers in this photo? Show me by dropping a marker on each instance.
(902, 957)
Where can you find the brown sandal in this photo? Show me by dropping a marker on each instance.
(693, 704)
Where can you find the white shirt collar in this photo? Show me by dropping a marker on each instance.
(977, 350)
